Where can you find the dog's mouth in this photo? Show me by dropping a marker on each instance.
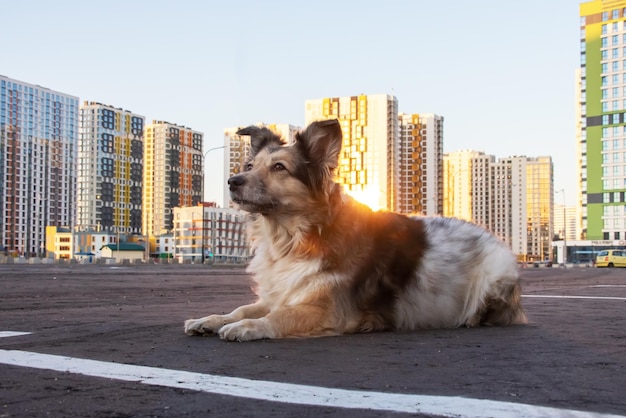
(255, 207)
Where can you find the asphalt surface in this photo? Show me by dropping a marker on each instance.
(571, 356)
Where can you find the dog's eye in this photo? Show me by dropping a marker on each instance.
(248, 166)
(278, 167)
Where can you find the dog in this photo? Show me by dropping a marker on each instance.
(324, 264)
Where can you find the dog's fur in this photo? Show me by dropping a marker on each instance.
(325, 264)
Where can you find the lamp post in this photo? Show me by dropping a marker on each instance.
(562, 191)
(203, 195)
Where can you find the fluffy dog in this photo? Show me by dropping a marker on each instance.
(325, 264)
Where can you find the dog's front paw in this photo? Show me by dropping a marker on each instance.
(204, 326)
(247, 330)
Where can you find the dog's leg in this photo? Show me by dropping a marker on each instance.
(296, 321)
(213, 323)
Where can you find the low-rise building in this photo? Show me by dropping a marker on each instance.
(124, 251)
(206, 233)
(59, 242)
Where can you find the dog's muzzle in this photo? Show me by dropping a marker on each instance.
(235, 181)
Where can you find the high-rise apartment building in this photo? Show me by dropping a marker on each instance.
(238, 149)
(581, 152)
(564, 221)
(420, 164)
(511, 197)
(172, 176)
(461, 169)
(537, 174)
(38, 152)
(601, 119)
(369, 160)
(110, 169)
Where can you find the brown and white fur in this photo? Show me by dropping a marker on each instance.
(325, 264)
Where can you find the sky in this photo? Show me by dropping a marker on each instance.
(501, 73)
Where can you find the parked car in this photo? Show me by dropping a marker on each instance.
(611, 258)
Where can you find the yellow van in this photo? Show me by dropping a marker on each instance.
(611, 258)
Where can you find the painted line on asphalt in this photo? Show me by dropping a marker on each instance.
(449, 406)
(6, 334)
(608, 285)
(573, 297)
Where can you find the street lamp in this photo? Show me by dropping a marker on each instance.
(564, 229)
(203, 195)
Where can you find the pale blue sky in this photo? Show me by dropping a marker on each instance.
(500, 72)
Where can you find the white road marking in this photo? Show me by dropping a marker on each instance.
(4, 334)
(448, 406)
(573, 297)
(609, 285)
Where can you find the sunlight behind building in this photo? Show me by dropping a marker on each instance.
(369, 196)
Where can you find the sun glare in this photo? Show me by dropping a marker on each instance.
(369, 197)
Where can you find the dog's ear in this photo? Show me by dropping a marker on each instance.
(260, 138)
(322, 142)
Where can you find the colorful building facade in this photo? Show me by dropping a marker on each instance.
(601, 120)
(420, 164)
(368, 162)
(38, 155)
(110, 169)
(172, 176)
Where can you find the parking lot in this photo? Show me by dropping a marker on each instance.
(108, 341)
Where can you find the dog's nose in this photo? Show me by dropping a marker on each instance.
(235, 181)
